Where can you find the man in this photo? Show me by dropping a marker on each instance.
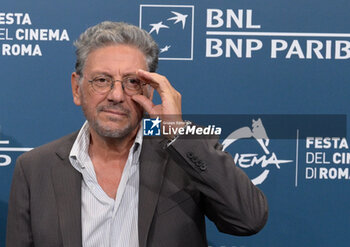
(106, 185)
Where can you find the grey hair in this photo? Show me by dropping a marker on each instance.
(110, 33)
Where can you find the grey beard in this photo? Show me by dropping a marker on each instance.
(111, 133)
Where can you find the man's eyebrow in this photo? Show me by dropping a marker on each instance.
(105, 73)
(101, 73)
(129, 74)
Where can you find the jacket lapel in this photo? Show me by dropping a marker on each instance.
(67, 189)
(152, 166)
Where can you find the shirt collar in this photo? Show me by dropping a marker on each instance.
(81, 144)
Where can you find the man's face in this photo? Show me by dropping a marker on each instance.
(113, 114)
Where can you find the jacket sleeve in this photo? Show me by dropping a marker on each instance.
(19, 232)
(231, 201)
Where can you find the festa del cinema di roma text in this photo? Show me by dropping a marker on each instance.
(16, 38)
(327, 158)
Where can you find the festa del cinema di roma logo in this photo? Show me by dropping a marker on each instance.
(249, 160)
(5, 157)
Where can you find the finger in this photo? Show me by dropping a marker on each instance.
(146, 103)
(157, 81)
(148, 78)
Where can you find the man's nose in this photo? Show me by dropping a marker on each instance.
(117, 92)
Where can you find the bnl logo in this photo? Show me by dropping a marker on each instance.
(151, 126)
(171, 26)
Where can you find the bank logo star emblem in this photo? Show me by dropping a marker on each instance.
(165, 48)
(172, 28)
(151, 126)
(179, 17)
(157, 26)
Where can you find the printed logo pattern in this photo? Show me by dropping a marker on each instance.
(258, 132)
(6, 159)
(151, 126)
(171, 26)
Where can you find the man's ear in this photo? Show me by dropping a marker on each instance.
(76, 88)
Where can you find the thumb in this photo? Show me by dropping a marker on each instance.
(145, 102)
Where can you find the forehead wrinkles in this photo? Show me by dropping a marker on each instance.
(115, 60)
(111, 75)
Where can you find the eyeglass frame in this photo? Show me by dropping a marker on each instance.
(122, 81)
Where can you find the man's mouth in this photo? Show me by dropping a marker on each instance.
(114, 110)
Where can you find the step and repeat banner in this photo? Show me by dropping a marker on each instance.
(273, 75)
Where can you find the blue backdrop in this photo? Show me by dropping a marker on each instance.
(267, 60)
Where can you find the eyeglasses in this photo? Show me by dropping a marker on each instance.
(103, 84)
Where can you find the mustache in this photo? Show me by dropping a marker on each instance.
(119, 108)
